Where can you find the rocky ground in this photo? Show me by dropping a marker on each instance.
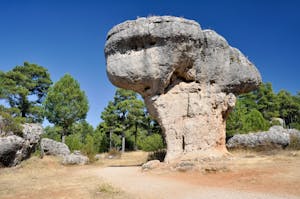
(247, 175)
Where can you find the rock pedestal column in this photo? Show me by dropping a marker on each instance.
(188, 77)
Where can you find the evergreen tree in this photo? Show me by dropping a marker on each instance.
(25, 88)
(126, 116)
(267, 102)
(66, 104)
(288, 108)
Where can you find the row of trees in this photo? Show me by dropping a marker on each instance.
(260, 109)
(27, 95)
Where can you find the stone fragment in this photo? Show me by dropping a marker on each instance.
(152, 164)
(75, 158)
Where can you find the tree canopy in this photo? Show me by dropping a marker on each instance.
(66, 103)
(256, 110)
(25, 88)
(126, 116)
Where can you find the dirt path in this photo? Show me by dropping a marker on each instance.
(149, 186)
(249, 176)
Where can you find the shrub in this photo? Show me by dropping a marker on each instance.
(153, 142)
(53, 132)
(74, 142)
(294, 142)
(89, 148)
(114, 152)
(9, 123)
(157, 155)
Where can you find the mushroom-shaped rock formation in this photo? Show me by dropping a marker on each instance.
(188, 77)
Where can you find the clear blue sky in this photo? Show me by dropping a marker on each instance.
(68, 36)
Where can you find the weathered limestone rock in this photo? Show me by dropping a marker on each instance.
(10, 150)
(75, 158)
(52, 147)
(152, 164)
(275, 136)
(187, 76)
(14, 149)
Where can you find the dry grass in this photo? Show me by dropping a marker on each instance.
(47, 178)
(134, 158)
(248, 170)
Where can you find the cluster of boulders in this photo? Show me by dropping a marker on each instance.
(276, 136)
(52, 147)
(14, 149)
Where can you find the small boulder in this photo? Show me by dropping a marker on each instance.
(75, 158)
(52, 147)
(11, 150)
(184, 166)
(152, 164)
(32, 132)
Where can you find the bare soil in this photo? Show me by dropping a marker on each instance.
(248, 175)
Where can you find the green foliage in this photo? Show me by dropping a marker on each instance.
(74, 141)
(126, 116)
(153, 142)
(289, 107)
(254, 121)
(255, 111)
(101, 141)
(267, 102)
(89, 148)
(65, 103)
(24, 88)
(9, 123)
(53, 132)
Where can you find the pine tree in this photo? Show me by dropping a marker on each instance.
(66, 104)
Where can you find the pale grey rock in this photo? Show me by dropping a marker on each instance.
(32, 132)
(279, 120)
(187, 76)
(152, 164)
(14, 149)
(11, 148)
(276, 135)
(75, 158)
(52, 147)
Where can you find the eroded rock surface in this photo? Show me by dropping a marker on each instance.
(188, 77)
(275, 136)
(14, 149)
(52, 147)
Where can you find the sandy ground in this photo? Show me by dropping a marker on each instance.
(249, 175)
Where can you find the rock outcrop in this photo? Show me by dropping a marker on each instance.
(276, 136)
(11, 148)
(75, 158)
(52, 147)
(14, 149)
(188, 77)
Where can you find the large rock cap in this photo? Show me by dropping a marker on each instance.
(148, 55)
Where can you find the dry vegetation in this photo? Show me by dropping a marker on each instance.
(47, 178)
(275, 172)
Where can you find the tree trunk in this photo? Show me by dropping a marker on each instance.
(135, 137)
(123, 142)
(63, 136)
(110, 139)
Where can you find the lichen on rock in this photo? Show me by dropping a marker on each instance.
(188, 77)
